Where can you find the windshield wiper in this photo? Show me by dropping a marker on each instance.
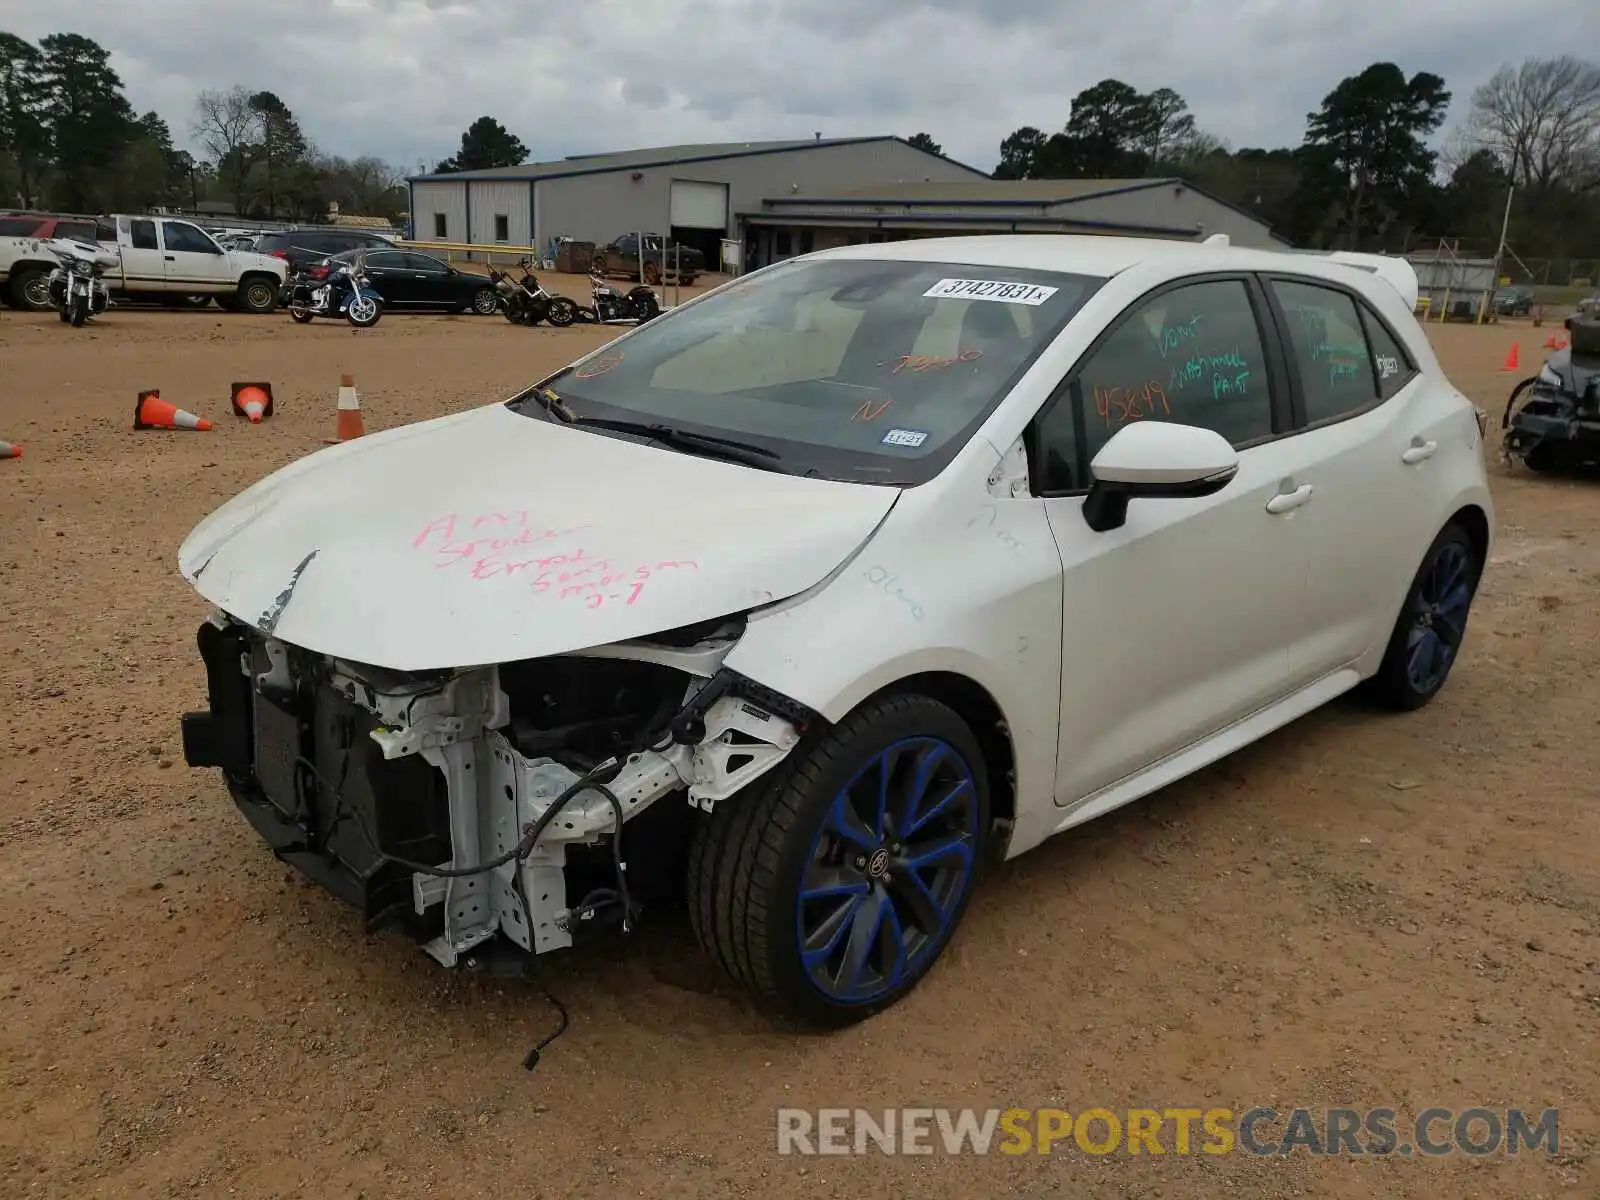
(741, 452)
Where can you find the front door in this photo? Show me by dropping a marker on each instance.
(192, 259)
(143, 268)
(1180, 622)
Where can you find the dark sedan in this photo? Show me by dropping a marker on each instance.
(408, 280)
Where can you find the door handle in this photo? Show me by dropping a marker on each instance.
(1289, 501)
(169, 258)
(1419, 452)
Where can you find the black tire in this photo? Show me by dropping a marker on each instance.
(364, 322)
(485, 301)
(748, 858)
(301, 316)
(65, 315)
(79, 312)
(257, 295)
(1395, 686)
(30, 289)
(1541, 460)
(562, 312)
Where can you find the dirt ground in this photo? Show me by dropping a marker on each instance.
(1360, 911)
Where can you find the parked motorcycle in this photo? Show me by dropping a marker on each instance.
(330, 289)
(1557, 425)
(612, 307)
(77, 287)
(526, 301)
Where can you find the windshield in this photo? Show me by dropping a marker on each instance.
(867, 370)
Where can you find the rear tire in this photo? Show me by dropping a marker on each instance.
(787, 876)
(1428, 633)
(485, 301)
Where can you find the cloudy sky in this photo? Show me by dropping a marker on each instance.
(402, 78)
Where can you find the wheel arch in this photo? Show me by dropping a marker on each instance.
(1473, 519)
(976, 706)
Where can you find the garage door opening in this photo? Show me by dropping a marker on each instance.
(700, 217)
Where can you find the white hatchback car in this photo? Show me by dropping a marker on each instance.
(891, 559)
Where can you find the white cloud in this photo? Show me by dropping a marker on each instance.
(403, 78)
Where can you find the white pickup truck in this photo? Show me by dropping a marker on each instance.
(162, 260)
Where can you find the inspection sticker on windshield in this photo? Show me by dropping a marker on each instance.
(991, 289)
(905, 437)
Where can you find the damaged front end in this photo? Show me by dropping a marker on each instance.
(499, 800)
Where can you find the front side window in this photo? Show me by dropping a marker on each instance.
(1192, 354)
(425, 265)
(871, 371)
(186, 238)
(1328, 348)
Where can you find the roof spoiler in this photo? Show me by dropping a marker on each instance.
(1397, 272)
(1392, 269)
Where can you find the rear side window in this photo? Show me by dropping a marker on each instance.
(1395, 368)
(143, 235)
(18, 226)
(1329, 348)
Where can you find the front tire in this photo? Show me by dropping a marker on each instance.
(257, 296)
(562, 312)
(826, 904)
(1431, 626)
(363, 312)
(79, 312)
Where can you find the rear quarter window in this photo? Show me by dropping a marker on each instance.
(1395, 367)
(19, 226)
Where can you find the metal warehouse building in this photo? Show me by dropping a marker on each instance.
(778, 199)
(700, 191)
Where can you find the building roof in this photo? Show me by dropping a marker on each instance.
(995, 195)
(660, 156)
(985, 191)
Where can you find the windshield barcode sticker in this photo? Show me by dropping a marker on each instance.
(905, 437)
(991, 289)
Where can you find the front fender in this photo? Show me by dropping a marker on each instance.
(955, 581)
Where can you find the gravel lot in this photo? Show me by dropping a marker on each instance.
(1361, 911)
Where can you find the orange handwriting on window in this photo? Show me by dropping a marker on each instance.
(870, 411)
(1119, 405)
(918, 363)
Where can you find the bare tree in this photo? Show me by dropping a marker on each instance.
(1542, 120)
(229, 127)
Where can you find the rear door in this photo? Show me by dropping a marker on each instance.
(192, 259)
(1370, 432)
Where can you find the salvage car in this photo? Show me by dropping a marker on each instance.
(829, 587)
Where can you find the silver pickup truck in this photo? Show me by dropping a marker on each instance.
(161, 259)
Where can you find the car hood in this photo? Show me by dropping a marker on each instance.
(490, 536)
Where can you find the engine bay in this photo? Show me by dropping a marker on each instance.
(492, 802)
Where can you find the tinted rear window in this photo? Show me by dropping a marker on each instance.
(19, 226)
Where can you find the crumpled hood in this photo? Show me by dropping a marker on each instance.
(489, 536)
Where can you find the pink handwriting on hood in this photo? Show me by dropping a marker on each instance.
(495, 533)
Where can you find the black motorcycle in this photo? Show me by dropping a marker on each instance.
(612, 307)
(526, 301)
(333, 289)
(1557, 426)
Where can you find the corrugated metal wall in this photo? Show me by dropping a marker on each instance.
(428, 201)
(496, 199)
(598, 208)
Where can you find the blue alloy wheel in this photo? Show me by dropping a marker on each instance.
(888, 870)
(1439, 604)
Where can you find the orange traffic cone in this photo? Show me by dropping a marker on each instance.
(10, 450)
(1550, 343)
(1511, 359)
(152, 412)
(350, 424)
(253, 400)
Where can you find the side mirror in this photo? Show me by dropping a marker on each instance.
(1155, 459)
